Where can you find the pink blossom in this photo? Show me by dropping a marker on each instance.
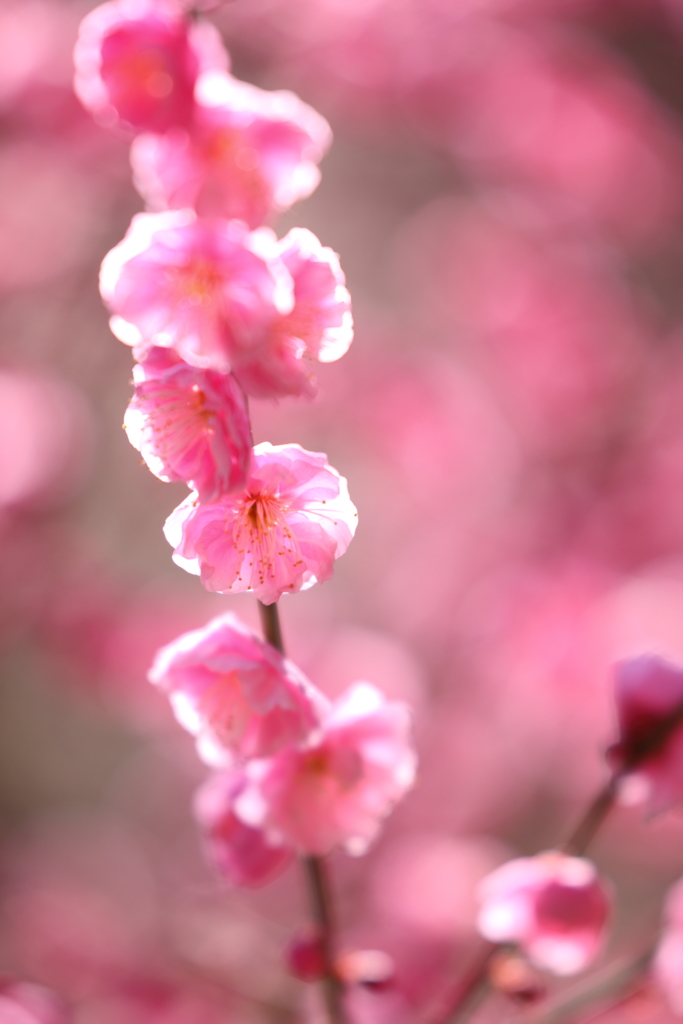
(226, 299)
(190, 424)
(248, 152)
(341, 784)
(649, 699)
(241, 855)
(208, 289)
(553, 905)
(668, 961)
(318, 328)
(234, 692)
(137, 62)
(282, 534)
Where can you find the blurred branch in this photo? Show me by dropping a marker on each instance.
(617, 979)
(592, 819)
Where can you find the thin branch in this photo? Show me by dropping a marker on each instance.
(270, 623)
(317, 884)
(592, 819)
(319, 897)
(614, 983)
(466, 995)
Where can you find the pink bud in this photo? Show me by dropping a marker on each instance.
(305, 957)
(649, 699)
(371, 968)
(552, 905)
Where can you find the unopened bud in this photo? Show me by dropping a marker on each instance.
(512, 976)
(305, 957)
(371, 968)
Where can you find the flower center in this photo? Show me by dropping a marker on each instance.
(199, 282)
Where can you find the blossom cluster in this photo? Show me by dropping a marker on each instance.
(217, 309)
(296, 772)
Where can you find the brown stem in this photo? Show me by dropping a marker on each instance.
(319, 898)
(317, 883)
(472, 990)
(592, 819)
(270, 624)
(469, 992)
(615, 983)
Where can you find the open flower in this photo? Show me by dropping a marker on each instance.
(280, 535)
(208, 289)
(235, 692)
(229, 300)
(319, 327)
(190, 424)
(137, 62)
(553, 905)
(247, 153)
(338, 786)
(241, 855)
(649, 699)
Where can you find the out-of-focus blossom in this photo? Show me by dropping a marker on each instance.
(553, 905)
(318, 328)
(49, 212)
(247, 153)
(190, 424)
(45, 432)
(649, 699)
(240, 854)
(36, 37)
(137, 62)
(548, 320)
(281, 535)
(668, 962)
(236, 693)
(424, 884)
(227, 299)
(338, 787)
(24, 1003)
(584, 131)
(209, 289)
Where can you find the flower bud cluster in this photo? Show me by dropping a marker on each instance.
(216, 308)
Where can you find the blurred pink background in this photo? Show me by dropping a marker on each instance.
(505, 190)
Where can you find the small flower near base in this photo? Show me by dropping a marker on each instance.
(552, 905)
